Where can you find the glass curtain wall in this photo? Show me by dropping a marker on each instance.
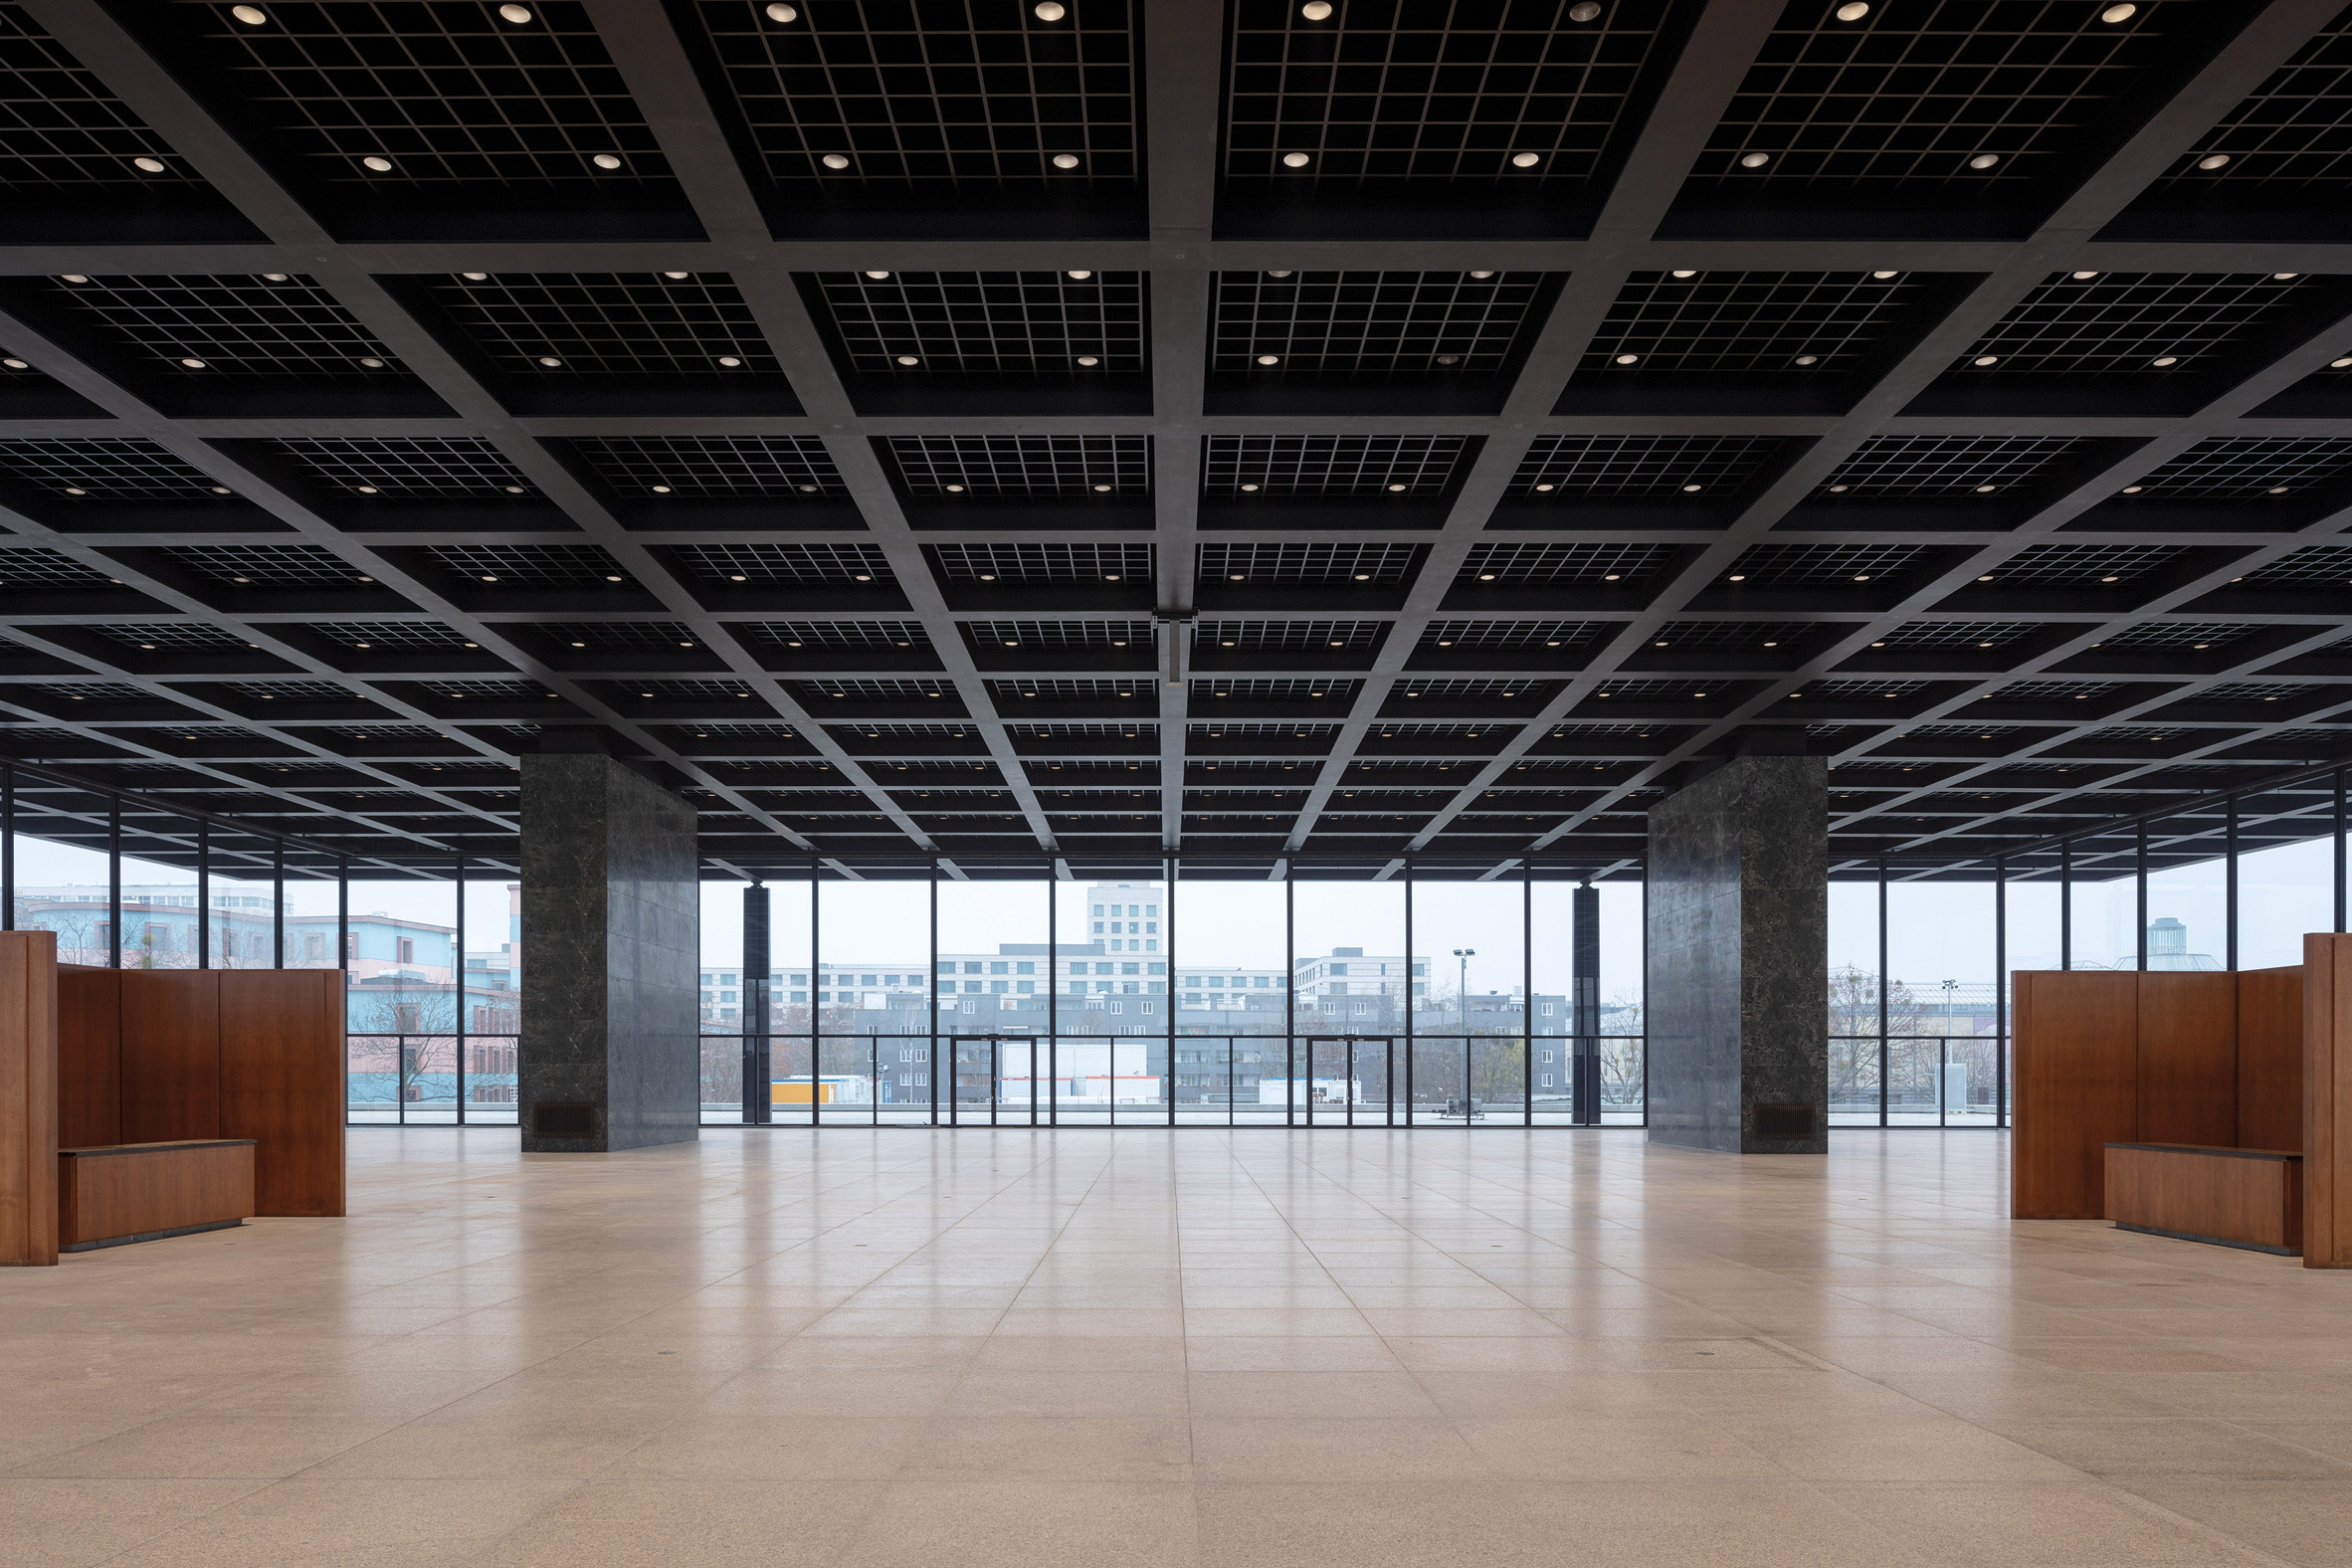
(1209, 995)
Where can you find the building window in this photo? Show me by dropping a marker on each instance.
(408, 949)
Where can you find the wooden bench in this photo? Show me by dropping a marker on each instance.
(2250, 1198)
(116, 1193)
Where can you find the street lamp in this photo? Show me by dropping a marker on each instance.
(1462, 957)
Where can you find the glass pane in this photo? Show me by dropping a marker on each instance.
(62, 887)
(1475, 933)
(1233, 998)
(1940, 1011)
(492, 1000)
(873, 992)
(994, 967)
(1557, 1037)
(1349, 971)
(2030, 933)
(2285, 872)
(243, 897)
(1854, 1003)
(2188, 891)
(158, 913)
(1621, 1049)
(400, 1002)
(2105, 893)
(721, 1004)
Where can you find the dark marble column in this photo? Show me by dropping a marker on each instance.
(611, 943)
(1737, 957)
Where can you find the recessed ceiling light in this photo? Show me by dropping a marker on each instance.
(1628, 359)
(1584, 10)
(834, 161)
(549, 361)
(1546, 488)
(955, 490)
(1685, 272)
(474, 277)
(147, 165)
(2166, 359)
(1050, 10)
(1065, 160)
(193, 364)
(1738, 577)
(75, 278)
(2119, 12)
(2333, 364)
(909, 359)
(2277, 489)
(75, 489)
(250, 15)
(15, 364)
(2133, 489)
(380, 165)
(1862, 577)
(610, 578)
(2111, 579)
(1755, 160)
(1295, 160)
(2286, 277)
(1809, 359)
(1883, 276)
(1853, 11)
(1986, 359)
(1984, 161)
(1525, 160)
(1089, 360)
(2212, 160)
(783, 13)
(368, 490)
(1988, 578)
(1248, 486)
(1610, 577)
(1984, 490)
(1282, 272)
(1316, 10)
(1270, 359)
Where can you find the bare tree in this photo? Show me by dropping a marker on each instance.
(406, 1030)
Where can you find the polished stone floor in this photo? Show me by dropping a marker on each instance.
(965, 1350)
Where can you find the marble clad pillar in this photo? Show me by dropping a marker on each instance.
(611, 953)
(1737, 958)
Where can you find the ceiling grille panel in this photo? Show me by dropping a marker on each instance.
(1027, 325)
(1942, 465)
(464, 467)
(607, 324)
(1023, 465)
(200, 326)
(712, 464)
(1787, 325)
(1330, 465)
(2129, 323)
(1369, 325)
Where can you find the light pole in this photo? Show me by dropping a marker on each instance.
(1462, 958)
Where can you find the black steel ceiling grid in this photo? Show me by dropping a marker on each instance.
(2210, 658)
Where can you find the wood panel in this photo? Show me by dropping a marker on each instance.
(2186, 1082)
(2327, 1100)
(88, 1056)
(2271, 1059)
(281, 1083)
(137, 1189)
(28, 1097)
(2077, 1052)
(2248, 1197)
(171, 1055)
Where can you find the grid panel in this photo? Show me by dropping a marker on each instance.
(872, 689)
(462, 466)
(372, 635)
(1431, 93)
(1561, 563)
(2316, 563)
(1044, 563)
(43, 567)
(2246, 468)
(1954, 633)
(1287, 637)
(1100, 634)
(59, 126)
(1330, 465)
(2131, 324)
(809, 565)
(268, 565)
(1822, 563)
(290, 692)
(1024, 464)
(246, 324)
(190, 636)
(618, 636)
(831, 634)
(1028, 325)
(448, 93)
(534, 565)
(1063, 688)
(1639, 465)
(2261, 691)
(972, 94)
(723, 693)
(2089, 563)
(1915, 96)
(2295, 131)
(1787, 325)
(712, 464)
(108, 470)
(2054, 690)
(1232, 688)
(1688, 635)
(1309, 563)
(608, 323)
(1484, 690)
(2192, 636)
(1368, 326)
(1943, 464)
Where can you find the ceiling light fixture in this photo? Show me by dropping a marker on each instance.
(147, 165)
(2212, 160)
(1295, 160)
(1050, 10)
(1853, 11)
(1984, 161)
(1525, 160)
(1065, 160)
(250, 15)
(380, 165)
(1628, 359)
(1755, 160)
(1316, 10)
(515, 13)
(2118, 13)
(474, 278)
(834, 161)
(2166, 359)
(783, 13)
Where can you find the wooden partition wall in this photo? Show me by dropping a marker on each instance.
(2327, 1100)
(2213, 1058)
(159, 1055)
(28, 1096)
